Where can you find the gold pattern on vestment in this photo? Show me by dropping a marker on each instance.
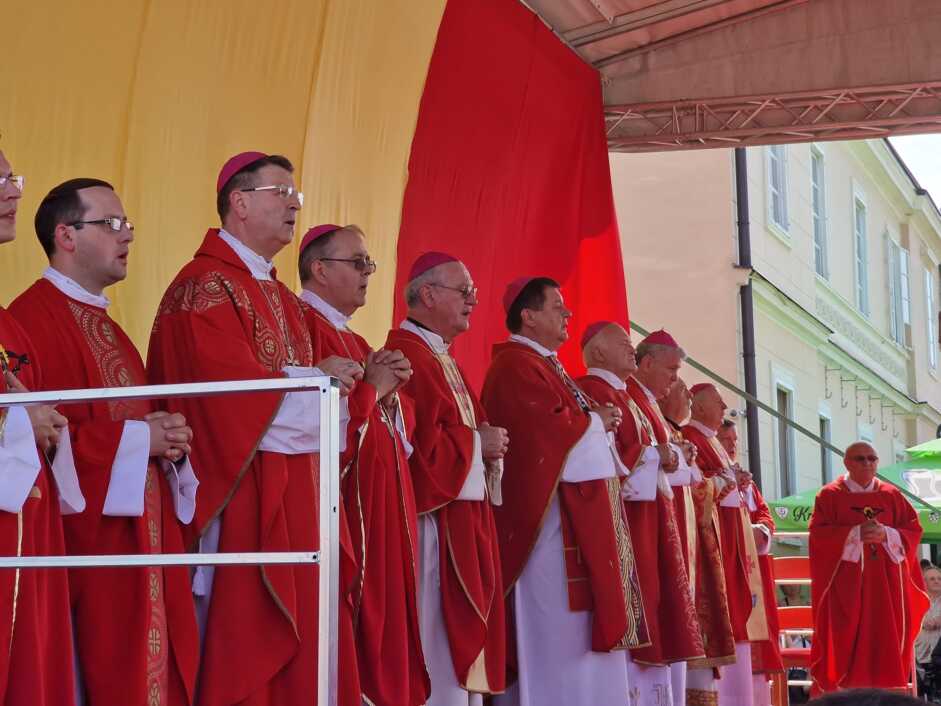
(702, 697)
(630, 585)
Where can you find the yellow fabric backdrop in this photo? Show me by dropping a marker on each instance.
(154, 95)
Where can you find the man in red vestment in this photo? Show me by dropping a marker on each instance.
(739, 548)
(867, 590)
(455, 454)
(765, 655)
(567, 561)
(141, 645)
(658, 360)
(671, 613)
(377, 488)
(36, 665)
(225, 316)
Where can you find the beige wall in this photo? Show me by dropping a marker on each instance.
(676, 216)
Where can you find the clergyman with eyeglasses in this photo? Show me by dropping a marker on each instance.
(867, 591)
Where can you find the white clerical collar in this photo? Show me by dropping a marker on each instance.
(609, 377)
(70, 288)
(653, 400)
(856, 487)
(540, 349)
(434, 341)
(706, 431)
(256, 264)
(332, 314)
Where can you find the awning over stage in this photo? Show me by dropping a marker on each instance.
(920, 476)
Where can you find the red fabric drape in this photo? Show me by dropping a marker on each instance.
(509, 172)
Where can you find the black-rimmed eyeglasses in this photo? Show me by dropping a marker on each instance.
(114, 223)
(360, 264)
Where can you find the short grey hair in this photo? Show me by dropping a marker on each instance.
(655, 349)
(413, 288)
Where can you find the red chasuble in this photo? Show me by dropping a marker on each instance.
(36, 628)
(380, 509)
(217, 322)
(141, 644)
(866, 613)
(742, 575)
(446, 413)
(766, 655)
(524, 394)
(671, 615)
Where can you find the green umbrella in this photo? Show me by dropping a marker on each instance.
(920, 477)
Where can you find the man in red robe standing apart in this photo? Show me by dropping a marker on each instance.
(36, 628)
(867, 591)
(567, 560)
(226, 317)
(140, 645)
(456, 452)
(765, 655)
(739, 549)
(334, 267)
(668, 601)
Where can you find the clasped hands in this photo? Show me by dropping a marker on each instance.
(872, 532)
(46, 421)
(610, 415)
(385, 370)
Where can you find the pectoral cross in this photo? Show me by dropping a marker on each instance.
(870, 513)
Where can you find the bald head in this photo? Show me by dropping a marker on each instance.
(861, 460)
(611, 349)
(708, 406)
(675, 404)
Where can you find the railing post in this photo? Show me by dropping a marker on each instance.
(329, 594)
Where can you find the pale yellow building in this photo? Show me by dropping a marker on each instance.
(845, 248)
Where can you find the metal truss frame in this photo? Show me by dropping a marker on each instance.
(839, 114)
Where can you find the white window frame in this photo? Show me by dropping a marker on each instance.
(784, 380)
(931, 316)
(860, 254)
(778, 153)
(820, 221)
(827, 472)
(898, 267)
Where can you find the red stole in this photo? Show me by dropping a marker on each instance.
(524, 394)
(141, 644)
(766, 655)
(471, 584)
(217, 322)
(866, 613)
(668, 605)
(380, 508)
(36, 661)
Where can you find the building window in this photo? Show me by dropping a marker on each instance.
(777, 186)
(900, 307)
(931, 319)
(826, 456)
(785, 443)
(862, 256)
(819, 205)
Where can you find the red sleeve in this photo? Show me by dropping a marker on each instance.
(762, 514)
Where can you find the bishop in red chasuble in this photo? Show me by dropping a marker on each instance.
(455, 454)
(141, 645)
(377, 491)
(668, 601)
(225, 316)
(561, 498)
(867, 590)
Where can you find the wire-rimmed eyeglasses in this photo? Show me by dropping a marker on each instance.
(17, 180)
(114, 223)
(467, 291)
(283, 190)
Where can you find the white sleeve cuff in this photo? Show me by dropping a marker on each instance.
(641, 484)
(19, 460)
(183, 483)
(683, 475)
(71, 499)
(125, 497)
(474, 485)
(853, 548)
(591, 457)
(893, 545)
(762, 539)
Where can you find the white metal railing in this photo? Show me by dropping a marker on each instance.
(328, 556)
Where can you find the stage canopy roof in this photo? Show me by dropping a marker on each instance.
(693, 74)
